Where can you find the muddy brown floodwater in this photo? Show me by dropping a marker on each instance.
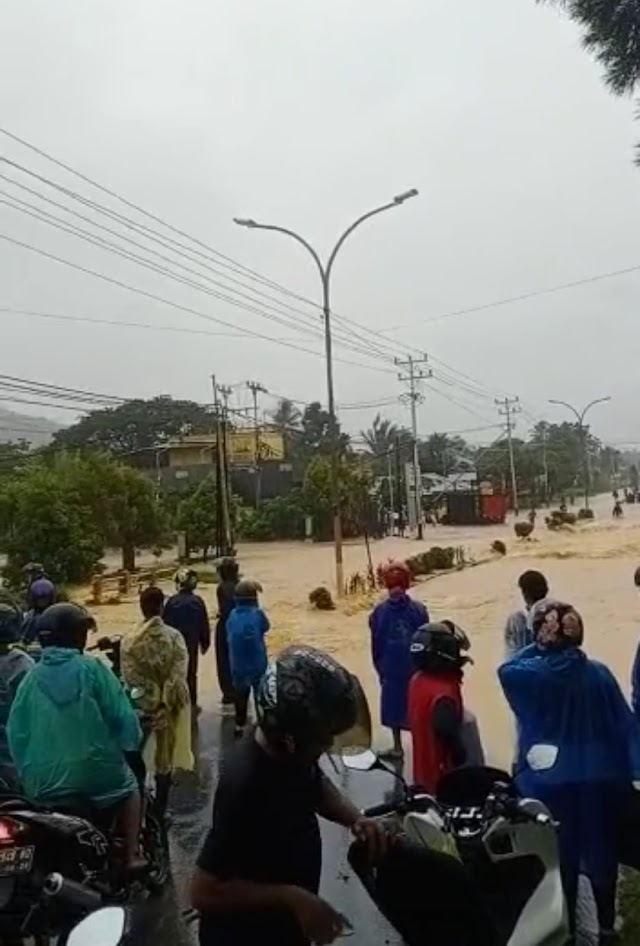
(591, 566)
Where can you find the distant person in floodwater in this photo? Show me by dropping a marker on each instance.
(518, 632)
(618, 511)
(393, 623)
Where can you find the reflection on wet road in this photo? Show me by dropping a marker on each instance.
(191, 815)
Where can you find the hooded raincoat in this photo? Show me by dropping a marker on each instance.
(14, 666)
(69, 726)
(579, 752)
(155, 658)
(393, 623)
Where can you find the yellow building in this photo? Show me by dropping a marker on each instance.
(199, 449)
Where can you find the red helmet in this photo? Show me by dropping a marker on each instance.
(396, 576)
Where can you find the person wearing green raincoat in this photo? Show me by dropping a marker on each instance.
(70, 725)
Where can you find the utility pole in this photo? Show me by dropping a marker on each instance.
(391, 497)
(413, 376)
(222, 492)
(545, 464)
(256, 388)
(508, 408)
(396, 450)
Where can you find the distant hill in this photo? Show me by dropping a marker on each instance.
(36, 430)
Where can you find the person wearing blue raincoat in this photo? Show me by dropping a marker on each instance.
(579, 749)
(71, 723)
(393, 624)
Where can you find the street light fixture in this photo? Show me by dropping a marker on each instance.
(580, 416)
(325, 269)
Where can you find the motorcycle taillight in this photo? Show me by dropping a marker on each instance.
(9, 830)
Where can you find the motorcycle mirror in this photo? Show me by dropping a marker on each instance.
(542, 757)
(103, 928)
(362, 762)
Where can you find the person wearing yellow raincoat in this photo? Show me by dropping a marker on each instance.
(155, 660)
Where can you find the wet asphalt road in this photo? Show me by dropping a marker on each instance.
(191, 814)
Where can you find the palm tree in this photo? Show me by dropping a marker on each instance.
(381, 437)
(286, 415)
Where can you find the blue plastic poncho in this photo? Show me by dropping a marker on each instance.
(564, 699)
(393, 623)
(69, 726)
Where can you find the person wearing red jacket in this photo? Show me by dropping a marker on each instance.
(445, 735)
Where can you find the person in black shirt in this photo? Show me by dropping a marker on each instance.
(186, 612)
(258, 874)
(228, 574)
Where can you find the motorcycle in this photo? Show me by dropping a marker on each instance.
(110, 926)
(80, 843)
(475, 866)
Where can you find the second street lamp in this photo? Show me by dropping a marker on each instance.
(580, 416)
(324, 270)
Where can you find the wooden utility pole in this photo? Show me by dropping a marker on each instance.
(508, 408)
(413, 376)
(256, 388)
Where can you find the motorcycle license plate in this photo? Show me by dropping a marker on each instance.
(16, 860)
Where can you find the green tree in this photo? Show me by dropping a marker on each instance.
(355, 480)
(41, 520)
(14, 455)
(611, 33)
(286, 416)
(136, 427)
(114, 504)
(318, 433)
(443, 454)
(197, 516)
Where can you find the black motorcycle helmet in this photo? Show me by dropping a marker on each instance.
(65, 625)
(305, 700)
(437, 648)
(228, 569)
(10, 623)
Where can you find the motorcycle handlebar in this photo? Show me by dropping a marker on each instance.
(379, 811)
(58, 887)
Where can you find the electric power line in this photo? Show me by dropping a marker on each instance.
(175, 305)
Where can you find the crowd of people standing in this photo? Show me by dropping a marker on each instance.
(577, 739)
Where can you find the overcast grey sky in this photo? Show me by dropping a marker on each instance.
(307, 113)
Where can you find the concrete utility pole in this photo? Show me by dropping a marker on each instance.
(509, 407)
(413, 376)
(256, 388)
(223, 517)
(580, 416)
(545, 464)
(324, 271)
(392, 509)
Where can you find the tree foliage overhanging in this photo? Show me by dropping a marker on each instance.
(611, 33)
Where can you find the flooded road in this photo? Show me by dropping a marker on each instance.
(591, 566)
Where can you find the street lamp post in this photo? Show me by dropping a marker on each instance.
(580, 416)
(325, 271)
